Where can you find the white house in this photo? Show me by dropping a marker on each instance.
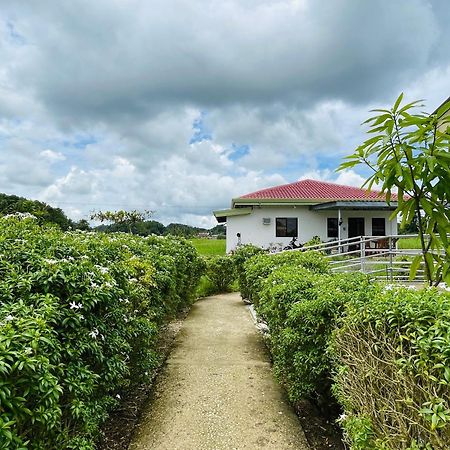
(305, 209)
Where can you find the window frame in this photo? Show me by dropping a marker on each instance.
(384, 226)
(286, 227)
(334, 219)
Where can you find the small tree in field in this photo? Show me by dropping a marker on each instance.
(129, 218)
(410, 152)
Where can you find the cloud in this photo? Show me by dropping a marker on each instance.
(52, 156)
(179, 106)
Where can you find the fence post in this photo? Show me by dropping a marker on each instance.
(391, 260)
(362, 247)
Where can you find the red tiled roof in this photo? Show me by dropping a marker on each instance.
(316, 190)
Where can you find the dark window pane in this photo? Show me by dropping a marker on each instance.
(286, 227)
(378, 226)
(332, 227)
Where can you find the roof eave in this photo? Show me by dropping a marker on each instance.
(356, 205)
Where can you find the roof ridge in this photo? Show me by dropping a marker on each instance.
(339, 184)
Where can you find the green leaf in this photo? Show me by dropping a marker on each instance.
(397, 102)
(414, 267)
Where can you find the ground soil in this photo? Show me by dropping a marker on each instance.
(216, 391)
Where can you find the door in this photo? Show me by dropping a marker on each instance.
(355, 228)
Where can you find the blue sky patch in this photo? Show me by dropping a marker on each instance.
(201, 131)
(80, 141)
(238, 151)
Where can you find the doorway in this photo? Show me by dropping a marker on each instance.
(355, 228)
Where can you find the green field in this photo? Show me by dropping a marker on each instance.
(408, 243)
(209, 247)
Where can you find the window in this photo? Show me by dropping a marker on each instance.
(332, 227)
(286, 227)
(378, 226)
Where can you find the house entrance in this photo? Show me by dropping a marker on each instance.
(355, 228)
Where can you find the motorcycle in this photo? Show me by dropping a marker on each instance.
(293, 245)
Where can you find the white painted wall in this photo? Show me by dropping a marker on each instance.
(310, 223)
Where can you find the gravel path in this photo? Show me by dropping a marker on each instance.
(218, 391)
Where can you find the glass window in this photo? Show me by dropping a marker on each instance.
(378, 226)
(332, 227)
(286, 227)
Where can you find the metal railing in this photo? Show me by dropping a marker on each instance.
(378, 256)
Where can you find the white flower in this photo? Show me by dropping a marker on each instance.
(102, 269)
(118, 396)
(9, 317)
(51, 261)
(94, 333)
(74, 305)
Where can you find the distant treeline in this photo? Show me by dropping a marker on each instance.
(149, 227)
(10, 204)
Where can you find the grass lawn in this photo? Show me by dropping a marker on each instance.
(409, 243)
(209, 247)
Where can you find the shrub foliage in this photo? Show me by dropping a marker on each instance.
(393, 353)
(221, 272)
(382, 353)
(79, 317)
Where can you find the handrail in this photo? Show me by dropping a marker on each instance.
(377, 256)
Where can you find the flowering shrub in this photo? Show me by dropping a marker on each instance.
(79, 317)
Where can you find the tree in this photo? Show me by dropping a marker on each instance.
(130, 218)
(82, 224)
(410, 152)
(10, 204)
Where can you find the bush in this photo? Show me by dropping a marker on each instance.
(79, 317)
(393, 353)
(301, 308)
(258, 268)
(240, 256)
(221, 272)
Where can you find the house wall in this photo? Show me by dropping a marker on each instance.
(310, 223)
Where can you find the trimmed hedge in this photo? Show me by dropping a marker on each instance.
(301, 308)
(259, 267)
(240, 257)
(221, 272)
(393, 355)
(79, 317)
(383, 353)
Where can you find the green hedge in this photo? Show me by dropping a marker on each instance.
(393, 377)
(79, 317)
(240, 257)
(301, 308)
(221, 272)
(259, 267)
(383, 353)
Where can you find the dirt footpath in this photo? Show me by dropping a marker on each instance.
(218, 391)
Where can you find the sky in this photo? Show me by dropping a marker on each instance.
(179, 106)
